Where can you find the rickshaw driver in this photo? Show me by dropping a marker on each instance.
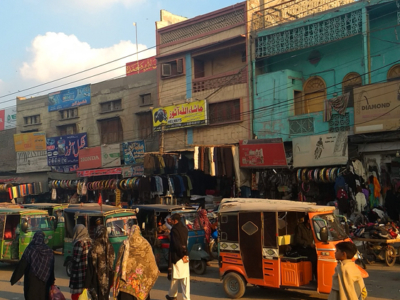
(304, 242)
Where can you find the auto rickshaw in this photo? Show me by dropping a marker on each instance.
(56, 210)
(117, 220)
(17, 228)
(256, 238)
(151, 218)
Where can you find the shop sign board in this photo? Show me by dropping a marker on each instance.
(180, 116)
(8, 118)
(90, 158)
(320, 150)
(132, 171)
(377, 107)
(262, 153)
(110, 155)
(133, 152)
(32, 161)
(142, 66)
(70, 98)
(99, 172)
(65, 168)
(31, 141)
(64, 150)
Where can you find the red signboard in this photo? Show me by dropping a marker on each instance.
(99, 172)
(262, 153)
(145, 65)
(2, 121)
(90, 158)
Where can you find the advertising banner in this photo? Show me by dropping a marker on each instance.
(262, 153)
(377, 107)
(133, 152)
(145, 65)
(320, 150)
(180, 116)
(32, 161)
(65, 168)
(10, 117)
(31, 141)
(2, 120)
(111, 155)
(72, 97)
(132, 171)
(99, 172)
(64, 150)
(90, 158)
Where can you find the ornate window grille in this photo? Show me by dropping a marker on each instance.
(339, 123)
(310, 35)
(298, 126)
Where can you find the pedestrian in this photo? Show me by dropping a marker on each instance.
(136, 269)
(103, 255)
(81, 245)
(178, 256)
(37, 265)
(204, 223)
(347, 282)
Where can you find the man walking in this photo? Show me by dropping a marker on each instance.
(178, 256)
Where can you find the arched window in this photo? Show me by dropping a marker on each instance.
(351, 81)
(394, 73)
(314, 95)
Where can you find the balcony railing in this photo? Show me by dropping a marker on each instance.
(218, 81)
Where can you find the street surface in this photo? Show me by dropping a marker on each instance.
(383, 283)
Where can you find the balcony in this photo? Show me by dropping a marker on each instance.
(221, 80)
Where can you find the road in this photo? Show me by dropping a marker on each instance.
(383, 283)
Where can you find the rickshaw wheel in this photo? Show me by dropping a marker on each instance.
(68, 268)
(199, 266)
(234, 285)
(390, 256)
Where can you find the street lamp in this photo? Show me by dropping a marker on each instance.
(137, 48)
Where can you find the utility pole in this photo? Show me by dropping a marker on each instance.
(137, 48)
(161, 142)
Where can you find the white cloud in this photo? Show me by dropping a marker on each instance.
(55, 55)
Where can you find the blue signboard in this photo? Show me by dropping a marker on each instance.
(64, 150)
(69, 98)
(133, 152)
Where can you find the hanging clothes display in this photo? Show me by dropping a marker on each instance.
(339, 104)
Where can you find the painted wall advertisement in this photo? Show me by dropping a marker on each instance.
(377, 107)
(69, 98)
(90, 158)
(111, 155)
(180, 116)
(133, 152)
(32, 161)
(320, 150)
(262, 153)
(31, 141)
(145, 65)
(8, 118)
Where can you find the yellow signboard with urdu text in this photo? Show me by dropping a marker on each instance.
(180, 116)
(31, 141)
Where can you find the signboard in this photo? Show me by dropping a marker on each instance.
(133, 152)
(111, 155)
(180, 116)
(132, 171)
(145, 65)
(8, 118)
(31, 141)
(99, 172)
(65, 168)
(69, 98)
(64, 150)
(320, 150)
(117, 197)
(262, 153)
(32, 161)
(377, 107)
(90, 158)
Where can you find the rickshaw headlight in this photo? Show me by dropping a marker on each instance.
(199, 248)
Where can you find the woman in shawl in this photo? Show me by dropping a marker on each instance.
(136, 269)
(103, 261)
(81, 245)
(37, 265)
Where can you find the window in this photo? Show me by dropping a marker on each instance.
(351, 81)
(145, 99)
(67, 129)
(393, 73)
(198, 68)
(111, 106)
(172, 68)
(145, 121)
(69, 113)
(298, 102)
(32, 120)
(111, 131)
(225, 112)
(314, 95)
(305, 125)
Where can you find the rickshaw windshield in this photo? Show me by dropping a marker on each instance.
(39, 222)
(335, 230)
(191, 220)
(120, 226)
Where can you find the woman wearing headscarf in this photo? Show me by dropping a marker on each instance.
(204, 223)
(37, 265)
(136, 269)
(81, 245)
(103, 256)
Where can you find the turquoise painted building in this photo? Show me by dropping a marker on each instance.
(300, 64)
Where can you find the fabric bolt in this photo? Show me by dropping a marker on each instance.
(196, 158)
(201, 154)
(182, 186)
(338, 104)
(171, 186)
(162, 164)
(206, 160)
(366, 193)
(212, 162)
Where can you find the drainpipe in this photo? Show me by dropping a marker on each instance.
(366, 48)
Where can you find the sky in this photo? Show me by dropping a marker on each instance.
(44, 40)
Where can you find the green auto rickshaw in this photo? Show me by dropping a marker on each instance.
(117, 220)
(17, 228)
(55, 210)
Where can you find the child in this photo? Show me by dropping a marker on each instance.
(347, 282)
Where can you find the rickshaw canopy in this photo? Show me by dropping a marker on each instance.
(22, 211)
(96, 210)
